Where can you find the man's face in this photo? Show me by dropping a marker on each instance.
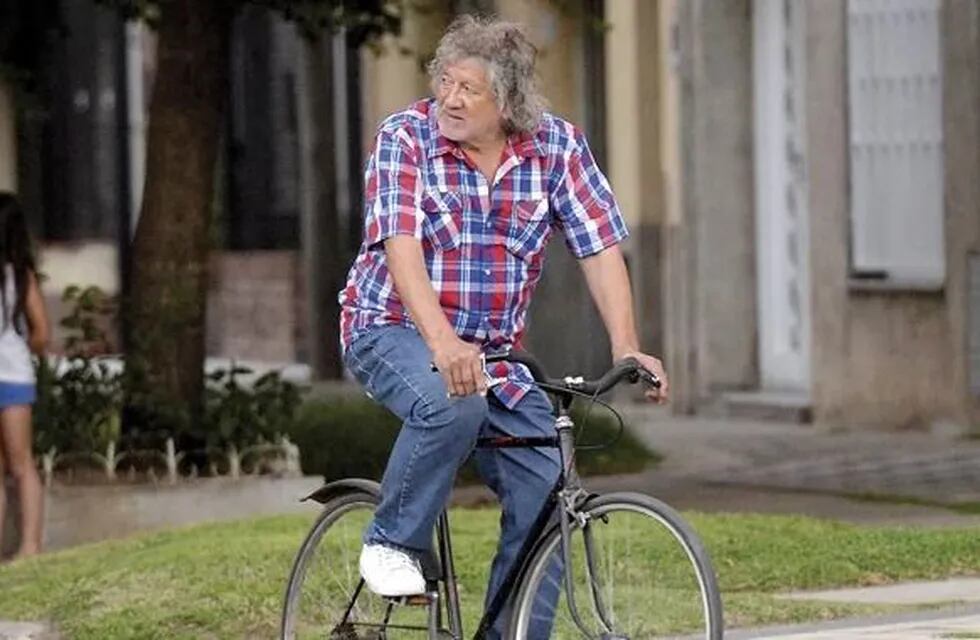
(467, 111)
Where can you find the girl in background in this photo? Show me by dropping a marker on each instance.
(23, 330)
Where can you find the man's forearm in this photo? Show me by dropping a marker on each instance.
(407, 267)
(608, 281)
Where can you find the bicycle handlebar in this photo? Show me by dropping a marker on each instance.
(628, 369)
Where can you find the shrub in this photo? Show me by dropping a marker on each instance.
(79, 394)
(77, 408)
(344, 437)
(240, 414)
(352, 437)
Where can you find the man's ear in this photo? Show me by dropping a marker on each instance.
(506, 116)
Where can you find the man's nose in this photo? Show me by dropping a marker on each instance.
(454, 97)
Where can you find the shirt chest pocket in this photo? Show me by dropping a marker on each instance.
(527, 228)
(441, 227)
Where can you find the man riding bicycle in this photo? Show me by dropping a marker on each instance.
(462, 193)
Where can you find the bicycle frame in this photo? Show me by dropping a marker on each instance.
(567, 492)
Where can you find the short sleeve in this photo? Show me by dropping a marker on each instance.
(392, 189)
(584, 205)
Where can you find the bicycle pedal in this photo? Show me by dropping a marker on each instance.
(416, 600)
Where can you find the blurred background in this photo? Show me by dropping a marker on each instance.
(802, 180)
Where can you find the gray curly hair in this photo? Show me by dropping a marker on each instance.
(508, 55)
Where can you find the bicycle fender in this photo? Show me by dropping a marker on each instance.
(333, 489)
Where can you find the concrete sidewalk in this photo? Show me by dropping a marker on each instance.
(959, 617)
(727, 464)
(26, 631)
(928, 626)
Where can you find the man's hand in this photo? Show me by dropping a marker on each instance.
(460, 365)
(656, 367)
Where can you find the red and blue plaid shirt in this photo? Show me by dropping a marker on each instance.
(483, 244)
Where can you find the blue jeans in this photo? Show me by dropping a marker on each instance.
(438, 434)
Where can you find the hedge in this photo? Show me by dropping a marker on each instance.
(352, 436)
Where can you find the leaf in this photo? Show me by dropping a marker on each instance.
(70, 293)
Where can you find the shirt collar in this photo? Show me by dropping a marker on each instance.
(527, 145)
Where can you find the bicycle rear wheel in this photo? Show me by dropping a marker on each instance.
(638, 572)
(325, 596)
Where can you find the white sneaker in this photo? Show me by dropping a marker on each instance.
(390, 572)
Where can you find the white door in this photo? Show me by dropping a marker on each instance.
(782, 238)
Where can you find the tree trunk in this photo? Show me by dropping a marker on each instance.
(170, 248)
(323, 251)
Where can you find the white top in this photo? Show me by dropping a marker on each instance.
(15, 356)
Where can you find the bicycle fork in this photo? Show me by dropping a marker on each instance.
(571, 498)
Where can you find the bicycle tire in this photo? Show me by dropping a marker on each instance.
(665, 609)
(330, 600)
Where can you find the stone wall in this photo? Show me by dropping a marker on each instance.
(256, 299)
(255, 306)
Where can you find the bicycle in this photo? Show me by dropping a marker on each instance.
(620, 566)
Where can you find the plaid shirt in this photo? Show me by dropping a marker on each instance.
(483, 245)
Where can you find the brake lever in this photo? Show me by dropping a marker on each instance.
(641, 373)
(648, 377)
(491, 380)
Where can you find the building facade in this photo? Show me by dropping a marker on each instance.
(800, 179)
(824, 261)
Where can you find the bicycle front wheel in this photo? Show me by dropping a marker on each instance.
(637, 571)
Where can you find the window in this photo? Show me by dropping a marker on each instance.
(896, 142)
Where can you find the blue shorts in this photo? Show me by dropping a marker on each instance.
(13, 394)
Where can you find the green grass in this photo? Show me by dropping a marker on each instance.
(226, 580)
